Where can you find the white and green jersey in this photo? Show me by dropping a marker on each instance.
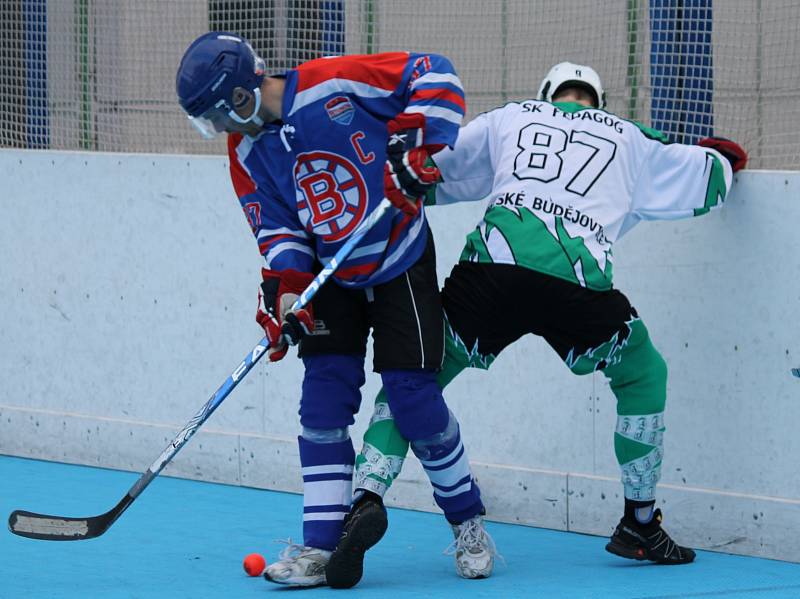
(565, 182)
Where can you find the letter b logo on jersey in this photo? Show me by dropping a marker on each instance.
(331, 194)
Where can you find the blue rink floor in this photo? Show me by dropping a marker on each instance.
(185, 539)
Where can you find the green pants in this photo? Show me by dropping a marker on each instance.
(637, 375)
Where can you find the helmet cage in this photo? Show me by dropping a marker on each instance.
(223, 117)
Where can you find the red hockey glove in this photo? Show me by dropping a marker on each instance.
(407, 176)
(279, 290)
(729, 149)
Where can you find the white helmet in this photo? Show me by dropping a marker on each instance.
(568, 73)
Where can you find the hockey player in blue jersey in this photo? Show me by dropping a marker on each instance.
(312, 152)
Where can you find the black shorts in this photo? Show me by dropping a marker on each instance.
(405, 315)
(496, 304)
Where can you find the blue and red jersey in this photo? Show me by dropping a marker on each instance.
(305, 184)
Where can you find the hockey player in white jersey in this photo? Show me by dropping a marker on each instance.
(564, 180)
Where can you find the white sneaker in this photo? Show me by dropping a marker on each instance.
(474, 549)
(299, 566)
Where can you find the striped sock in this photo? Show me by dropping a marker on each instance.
(327, 490)
(454, 488)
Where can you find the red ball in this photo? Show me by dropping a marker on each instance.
(254, 564)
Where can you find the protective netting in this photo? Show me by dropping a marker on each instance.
(99, 74)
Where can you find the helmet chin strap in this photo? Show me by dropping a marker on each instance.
(254, 117)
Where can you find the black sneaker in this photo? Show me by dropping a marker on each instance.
(364, 526)
(647, 542)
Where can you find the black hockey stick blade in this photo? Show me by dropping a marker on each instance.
(60, 528)
(796, 372)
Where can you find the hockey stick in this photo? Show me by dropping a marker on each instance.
(60, 528)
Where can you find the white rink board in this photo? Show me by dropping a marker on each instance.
(129, 290)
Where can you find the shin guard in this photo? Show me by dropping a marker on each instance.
(422, 417)
(384, 449)
(382, 453)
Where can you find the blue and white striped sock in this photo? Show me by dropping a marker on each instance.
(454, 488)
(327, 490)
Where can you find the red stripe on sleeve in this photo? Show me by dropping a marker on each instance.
(242, 183)
(439, 94)
(384, 71)
(270, 241)
(394, 234)
(349, 272)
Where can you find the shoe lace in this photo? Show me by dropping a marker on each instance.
(291, 549)
(662, 541)
(472, 535)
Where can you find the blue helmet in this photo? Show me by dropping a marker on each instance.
(220, 73)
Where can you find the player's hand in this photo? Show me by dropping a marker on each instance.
(282, 326)
(407, 174)
(732, 151)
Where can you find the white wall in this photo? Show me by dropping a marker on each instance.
(128, 289)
